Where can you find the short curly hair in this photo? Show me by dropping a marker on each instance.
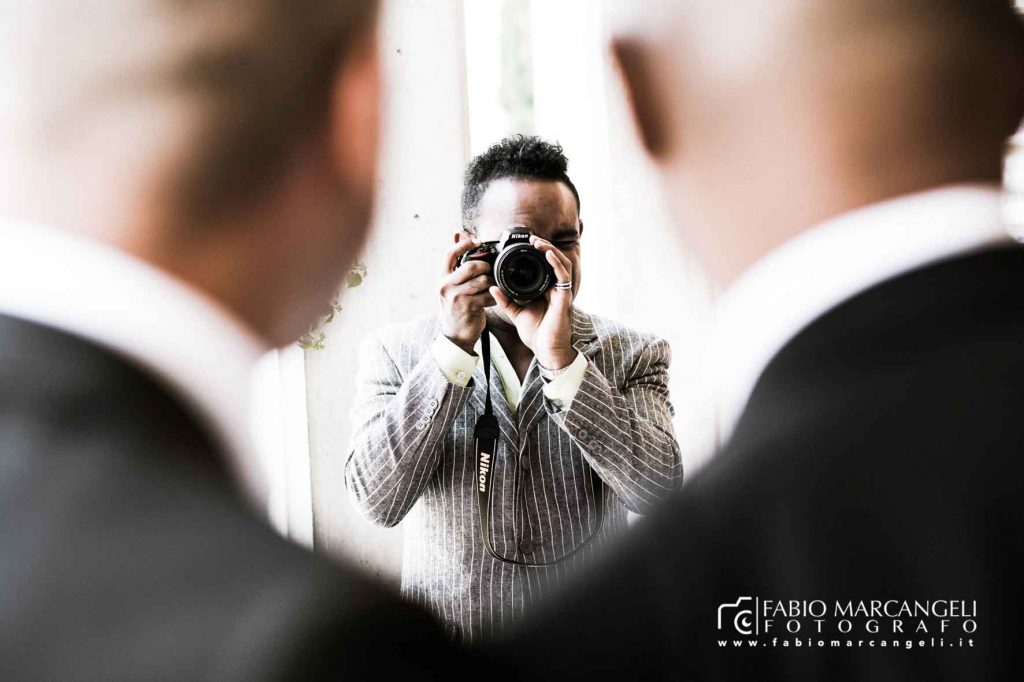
(518, 156)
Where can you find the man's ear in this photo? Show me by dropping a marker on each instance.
(355, 116)
(462, 235)
(645, 100)
(581, 227)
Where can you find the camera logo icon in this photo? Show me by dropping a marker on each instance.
(742, 618)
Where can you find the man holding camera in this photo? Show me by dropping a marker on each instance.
(526, 428)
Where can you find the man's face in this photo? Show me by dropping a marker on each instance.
(545, 207)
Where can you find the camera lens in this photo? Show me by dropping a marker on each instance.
(523, 273)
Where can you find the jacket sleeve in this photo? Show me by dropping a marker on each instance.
(399, 424)
(626, 432)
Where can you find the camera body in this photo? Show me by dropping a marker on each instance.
(520, 270)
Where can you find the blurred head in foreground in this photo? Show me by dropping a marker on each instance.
(231, 143)
(766, 118)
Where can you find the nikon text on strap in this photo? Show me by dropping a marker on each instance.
(486, 435)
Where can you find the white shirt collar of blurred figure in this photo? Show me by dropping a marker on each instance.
(106, 296)
(808, 275)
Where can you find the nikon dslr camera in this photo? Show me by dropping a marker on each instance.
(519, 269)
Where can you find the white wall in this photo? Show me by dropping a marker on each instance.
(280, 429)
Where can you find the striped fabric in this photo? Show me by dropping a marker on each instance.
(413, 458)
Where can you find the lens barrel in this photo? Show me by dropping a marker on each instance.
(522, 272)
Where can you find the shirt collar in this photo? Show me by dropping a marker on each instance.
(188, 340)
(806, 276)
(506, 372)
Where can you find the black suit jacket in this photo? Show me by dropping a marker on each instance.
(881, 456)
(126, 554)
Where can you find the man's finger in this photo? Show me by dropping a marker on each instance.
(546, 247)
(562, 271)
(462, 246)
(468, 271)
(509, 307)
(477, 302)
(475, 285)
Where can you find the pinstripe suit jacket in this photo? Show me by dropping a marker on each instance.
(413, 443)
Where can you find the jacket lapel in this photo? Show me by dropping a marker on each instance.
(499, 403)
(531, 407)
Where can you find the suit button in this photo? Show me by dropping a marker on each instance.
(581, 434)
(527, 546)
(460, 375)
(432, 404)
(557, 402)
(422, 424)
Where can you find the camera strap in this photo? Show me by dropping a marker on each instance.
(486, 434)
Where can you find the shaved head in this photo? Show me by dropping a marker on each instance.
(801, 109)
(231, 143)
(231, 82)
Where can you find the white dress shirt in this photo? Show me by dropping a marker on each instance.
(458, 366)
(803, 278)
(182, 336)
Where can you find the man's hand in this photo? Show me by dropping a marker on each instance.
(464, 296)
(545, 325)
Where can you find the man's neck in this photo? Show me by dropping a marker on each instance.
(770, 303)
